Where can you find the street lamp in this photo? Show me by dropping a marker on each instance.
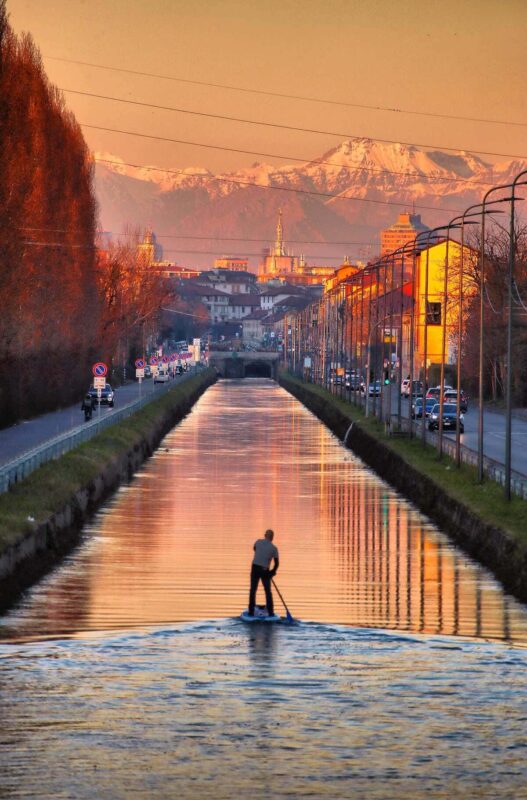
(510, 280)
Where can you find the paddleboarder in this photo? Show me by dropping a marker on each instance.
(264, 552)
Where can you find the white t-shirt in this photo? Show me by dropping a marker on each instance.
(264, 552)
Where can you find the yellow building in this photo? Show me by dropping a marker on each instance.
(430, 302)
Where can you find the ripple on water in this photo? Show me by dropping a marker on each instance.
(269, 712)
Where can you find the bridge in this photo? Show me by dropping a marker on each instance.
(245, 363)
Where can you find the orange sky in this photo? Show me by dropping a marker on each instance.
(459, 58)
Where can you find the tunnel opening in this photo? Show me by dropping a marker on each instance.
(258, 369)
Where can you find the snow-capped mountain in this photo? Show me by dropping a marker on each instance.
(347, 196)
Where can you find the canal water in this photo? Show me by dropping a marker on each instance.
(126, 673)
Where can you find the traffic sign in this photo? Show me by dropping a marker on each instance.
(99, 383)
(173, 357)
(99, 369)
(165, 359)
(140, 363)
(153, 361)
(139, 373)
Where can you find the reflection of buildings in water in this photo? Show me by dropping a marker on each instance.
(397, 571)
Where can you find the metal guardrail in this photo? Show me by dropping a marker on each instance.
(22, 466)
(491, 468)
(494, 470)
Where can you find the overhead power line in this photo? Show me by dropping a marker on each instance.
(217, 253)
(237, 181)
(212, 237)
(304, 98)
(340, 134)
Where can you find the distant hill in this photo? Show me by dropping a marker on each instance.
(194, 202)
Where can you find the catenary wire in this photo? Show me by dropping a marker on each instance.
(218, 253)
(345, 135)
(304, 98)
(212, 237)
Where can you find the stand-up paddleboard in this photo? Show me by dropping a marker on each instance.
(260, 615)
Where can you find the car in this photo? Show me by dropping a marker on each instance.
(352, 381)
(417, 407)
(161, 377)
(450, 396)
(435, 391)
(450, 419)
(374, 389)
(148, 371)
(107, 395)
(417, 388)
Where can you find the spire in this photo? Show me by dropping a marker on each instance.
(279, 244)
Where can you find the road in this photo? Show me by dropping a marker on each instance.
(494, 433)
(26, 435)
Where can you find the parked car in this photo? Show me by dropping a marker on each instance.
(148, 371)
(161, 377)
(107, 395)
(450, 419)
(450, 396)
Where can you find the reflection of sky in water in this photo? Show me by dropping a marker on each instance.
(175, 545)
(331, 708)
(225, 710)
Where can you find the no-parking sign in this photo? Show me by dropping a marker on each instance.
(99, 369)
(140, 363)
(153, 361)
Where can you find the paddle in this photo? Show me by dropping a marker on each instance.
(289, 618)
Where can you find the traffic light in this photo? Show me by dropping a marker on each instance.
(386, 377)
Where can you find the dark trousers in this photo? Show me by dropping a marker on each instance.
(260, 574)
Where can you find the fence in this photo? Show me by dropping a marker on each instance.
(494, 470)
(24, 465)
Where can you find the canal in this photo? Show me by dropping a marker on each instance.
(126, 673)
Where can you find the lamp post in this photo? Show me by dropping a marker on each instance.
(510, 281)
(484, 203)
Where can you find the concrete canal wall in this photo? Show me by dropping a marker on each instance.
(454, 507)
(41, 517)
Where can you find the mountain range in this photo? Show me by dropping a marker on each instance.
(319, 219)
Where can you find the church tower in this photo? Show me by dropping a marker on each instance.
(279, 243)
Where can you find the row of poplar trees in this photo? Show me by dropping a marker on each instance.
(63, 303)
(49, 304)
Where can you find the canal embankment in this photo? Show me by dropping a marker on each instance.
(476, 516)
(42, 516)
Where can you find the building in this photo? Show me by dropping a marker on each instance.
(149, 251)
(232, 263)
(276, 260)
(229, 281)
(403, 231)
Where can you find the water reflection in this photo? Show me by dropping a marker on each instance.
(175, 545)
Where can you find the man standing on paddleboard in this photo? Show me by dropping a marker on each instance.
(264, 552)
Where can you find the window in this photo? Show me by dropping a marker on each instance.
(433, 313)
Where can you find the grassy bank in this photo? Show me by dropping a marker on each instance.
(50, 488)
(484, 500)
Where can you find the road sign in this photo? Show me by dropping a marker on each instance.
(99, 368)
(140, 363)
(140, 373)
(165, 359)
(99, 383)
(173, 357)
(99, 394)
(155, 370)
(153, 361)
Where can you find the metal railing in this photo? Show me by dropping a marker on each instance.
(22, 466)
(491, 468)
